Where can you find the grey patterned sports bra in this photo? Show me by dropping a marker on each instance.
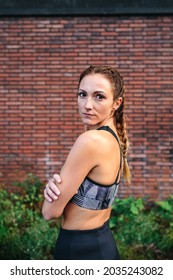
(95, 196)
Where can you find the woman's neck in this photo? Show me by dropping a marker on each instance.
(109, 123)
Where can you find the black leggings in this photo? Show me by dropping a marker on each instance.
(95, 244)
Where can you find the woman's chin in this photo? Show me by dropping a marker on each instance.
(88, 123)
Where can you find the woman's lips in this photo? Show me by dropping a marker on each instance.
(88, 115)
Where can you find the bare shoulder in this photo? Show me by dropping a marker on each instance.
(94, 142)
(89, 138)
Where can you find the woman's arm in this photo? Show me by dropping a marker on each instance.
(79, 162)
(51, 190)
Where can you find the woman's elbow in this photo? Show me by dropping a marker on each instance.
(48, 215)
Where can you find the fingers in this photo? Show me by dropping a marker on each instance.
(57, 178)
(53, 188)
(51, 192)
(46, 196)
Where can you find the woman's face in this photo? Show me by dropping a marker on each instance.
(95, 100)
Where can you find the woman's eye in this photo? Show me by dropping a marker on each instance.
(82, 94)
(99, 96)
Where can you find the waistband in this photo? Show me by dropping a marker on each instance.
(103, 227)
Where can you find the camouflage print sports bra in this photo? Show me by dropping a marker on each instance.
(93, 195)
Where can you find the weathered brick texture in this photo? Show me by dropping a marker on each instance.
(40, 62)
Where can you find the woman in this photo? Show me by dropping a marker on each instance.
(91, 174)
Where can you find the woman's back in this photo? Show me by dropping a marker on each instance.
(92, 203)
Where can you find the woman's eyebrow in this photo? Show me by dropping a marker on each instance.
(96, 91)
(100, 91)
(82, 90)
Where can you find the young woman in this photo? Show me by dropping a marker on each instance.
(91, 174)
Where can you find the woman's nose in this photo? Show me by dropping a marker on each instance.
(88, 104)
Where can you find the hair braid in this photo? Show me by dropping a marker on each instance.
(120, 123)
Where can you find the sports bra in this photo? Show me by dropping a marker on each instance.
(96, 196)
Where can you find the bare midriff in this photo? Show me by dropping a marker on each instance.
(78, 218)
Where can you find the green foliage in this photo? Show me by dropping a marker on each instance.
(30, 187)
(24, 234)
(142, 229)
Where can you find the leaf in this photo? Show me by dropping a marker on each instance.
(134, 209)
(139, 204)
(165, 205)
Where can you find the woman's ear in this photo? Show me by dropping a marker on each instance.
(117, 103)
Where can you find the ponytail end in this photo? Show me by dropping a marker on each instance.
(126, 171)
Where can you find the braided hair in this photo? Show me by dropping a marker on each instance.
(117, 83)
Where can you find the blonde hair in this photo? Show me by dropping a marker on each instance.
(119, 119)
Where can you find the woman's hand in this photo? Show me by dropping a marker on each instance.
(51, 191)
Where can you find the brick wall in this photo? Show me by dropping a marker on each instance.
(41, 59)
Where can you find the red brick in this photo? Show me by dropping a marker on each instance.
(41, 59)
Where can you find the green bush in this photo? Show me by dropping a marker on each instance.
(142, 229)
(24, 234)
